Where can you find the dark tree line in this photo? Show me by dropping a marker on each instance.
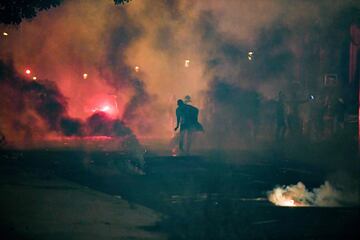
(14, 11)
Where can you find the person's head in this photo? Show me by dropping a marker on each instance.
(180, 103)
(187, 99)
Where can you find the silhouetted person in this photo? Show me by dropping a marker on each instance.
(294, 120)
(2, 140)
(280, 117)
(317, 112)
(339, 114)
(187, 119)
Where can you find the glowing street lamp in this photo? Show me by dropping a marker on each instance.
(5, 34)
(137, 68)
(34, 78)
(85, 75)
(27, 71)
(250, 55)
(187, 63)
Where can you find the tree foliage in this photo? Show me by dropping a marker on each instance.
(14, 11)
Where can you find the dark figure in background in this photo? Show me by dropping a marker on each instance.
(280, 117)
(187, 119)
(317, 112)
(339, 119)
(295, 123)
(2, 140)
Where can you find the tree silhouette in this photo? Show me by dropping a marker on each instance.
(14, 11)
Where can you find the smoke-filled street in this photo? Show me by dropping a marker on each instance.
(179, 119)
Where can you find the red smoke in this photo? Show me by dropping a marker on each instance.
(31, 110)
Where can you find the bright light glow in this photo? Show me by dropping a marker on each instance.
(34, 78)
(287, 203)
(85, 75)
(28, 71)
(105, 108)
(250, 55)
(5, 34)
(187, 63)
(137, 68)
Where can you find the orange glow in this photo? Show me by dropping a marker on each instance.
(28, 71)
(34, 78)
(85, 75)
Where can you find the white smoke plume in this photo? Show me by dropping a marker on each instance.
(325, 196)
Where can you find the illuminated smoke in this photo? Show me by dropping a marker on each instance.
(107, 42)
(230, 107)
(33, 109)
(324, 196)
(262, 55)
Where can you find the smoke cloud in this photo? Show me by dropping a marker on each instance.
(139, 57)
(325, 196)
(33, 109)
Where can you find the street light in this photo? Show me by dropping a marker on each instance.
(250, 55)
(187, 63)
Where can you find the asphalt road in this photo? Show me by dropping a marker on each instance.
(209, 196)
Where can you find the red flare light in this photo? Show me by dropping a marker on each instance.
(28, 71)
(105, 108)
